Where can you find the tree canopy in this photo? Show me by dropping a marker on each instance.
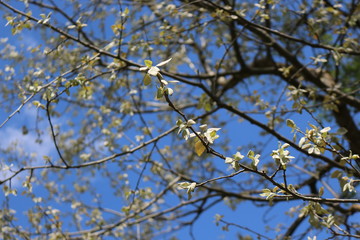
(188, 119)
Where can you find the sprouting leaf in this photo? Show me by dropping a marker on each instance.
(191, 189)
(290, 123)
(302, 141)
(160, 93)
(153, 71)
(47, 158)
(125, 13)
(186, 134)
(318, 59)
(190, 122)
(234, 161)
(148, 63)
(164, 62)
(38, 104)
(254, 158)
(199, 148)
(337, 56)
(184, 185)
(325, 130)
(189, 186)
(349, 185)
(203, 127)
(173, 81)
(143, 68)
(229, 160)
(218, 218)
(286, 70)
(179, 122)
(147, 79)
(250, 154)
(268, 194)
(169, 91)
(211, 134)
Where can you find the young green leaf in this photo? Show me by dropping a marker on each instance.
(290, 123)
(160, 93)
(147, 79)
(199, 148)
(148, 63)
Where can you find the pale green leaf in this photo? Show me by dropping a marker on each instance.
(148, 63)
(160, 93)
(290, 123)
(147, 79)
(199, 148)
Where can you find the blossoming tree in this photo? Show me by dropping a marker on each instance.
(179, 119)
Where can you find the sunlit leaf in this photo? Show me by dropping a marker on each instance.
(199, 148)
(148, 63)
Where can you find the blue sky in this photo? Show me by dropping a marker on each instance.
(247, 214)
